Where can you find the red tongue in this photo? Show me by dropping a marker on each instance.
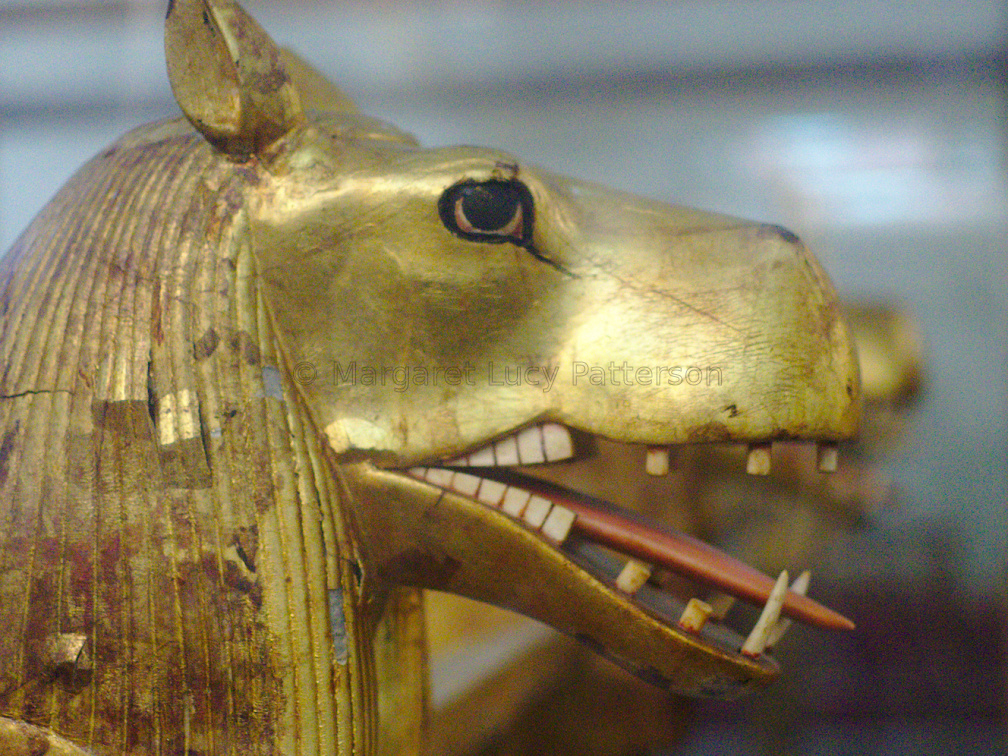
(678, 552)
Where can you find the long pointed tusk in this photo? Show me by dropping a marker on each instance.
(757, 639)
(799, 586)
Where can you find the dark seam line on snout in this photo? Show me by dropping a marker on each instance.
(542, 258)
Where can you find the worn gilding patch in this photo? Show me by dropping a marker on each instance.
(272, 383)
(337, 622)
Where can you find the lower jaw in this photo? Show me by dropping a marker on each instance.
(610, 566)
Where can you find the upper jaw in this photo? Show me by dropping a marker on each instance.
(476, 526)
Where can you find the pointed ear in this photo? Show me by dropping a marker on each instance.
(314, 89)
(228, 76)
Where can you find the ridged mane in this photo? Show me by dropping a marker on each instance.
(156, 476)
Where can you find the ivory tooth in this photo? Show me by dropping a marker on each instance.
(536, 511)
(721, 604)
(482, 457)
(506, 451)
(559, 523)
(801, 583)
(758, 462)
(530, 446)
(440, 477)
(657, 461)
(491, 492)
(633, 576)
(695, 615)
(757, 640)
(827, 456)
(514, 501)
(418, 472)
(465, 484)
(556, 442)
(799, 586)
(549, 442)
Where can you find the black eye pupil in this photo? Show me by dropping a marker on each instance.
(489, 206)
(490, 212)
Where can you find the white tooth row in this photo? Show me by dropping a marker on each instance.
(549, 442)
(659, 459)
(552, 520)
(758, 461)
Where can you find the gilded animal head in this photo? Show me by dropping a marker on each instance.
(274, 367)
(448, 314)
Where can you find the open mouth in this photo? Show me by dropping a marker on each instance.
(631, 554)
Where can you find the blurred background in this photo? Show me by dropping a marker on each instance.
(874, 130)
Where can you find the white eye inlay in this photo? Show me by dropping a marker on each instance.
(513, 228)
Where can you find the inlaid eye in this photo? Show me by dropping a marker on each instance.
(488, 211)
(493, 208)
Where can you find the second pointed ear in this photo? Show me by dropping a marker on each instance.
(228, 76)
